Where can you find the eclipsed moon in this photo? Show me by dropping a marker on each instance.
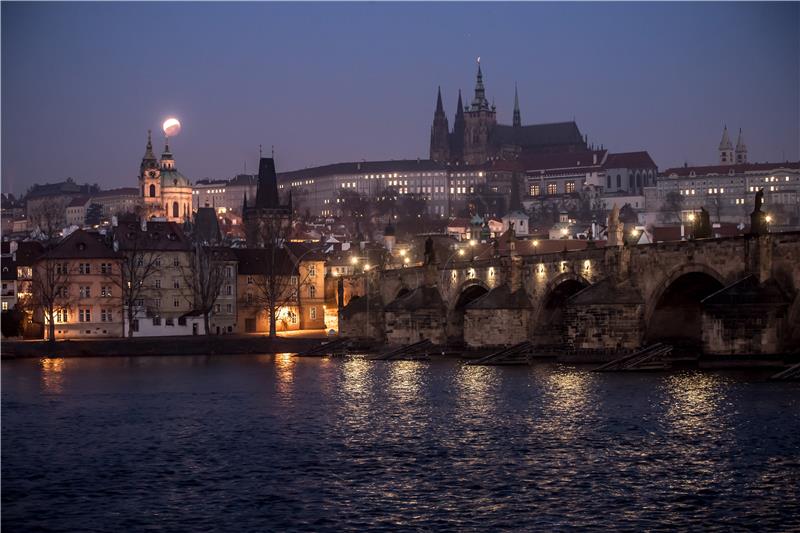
(171, 127)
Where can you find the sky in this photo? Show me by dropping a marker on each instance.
(324, 83)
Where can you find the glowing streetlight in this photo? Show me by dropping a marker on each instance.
(354, 260)
(535, 243)
(691, 217)
(366, 267)
(406, 260)
(768, 218)
(461, 252)
(473, 242)
(403, 253)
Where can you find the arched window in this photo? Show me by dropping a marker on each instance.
(638, 180)
(175, 212)
(619, 181)
(608, 182)
(152, 191)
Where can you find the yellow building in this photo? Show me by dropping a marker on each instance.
(81, 277)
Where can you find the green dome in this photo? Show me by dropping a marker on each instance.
(173, 178)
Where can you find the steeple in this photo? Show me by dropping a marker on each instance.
(725, 149)
(148, 160)
(244, 203)
(517, 119)
(440, 131)
(167, 160)
(479, 102)
(267, 190)
(741, 149)
(457, 137)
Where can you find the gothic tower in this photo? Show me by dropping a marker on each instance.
(150, 181)
(517, 118)
(479, 123)
(457, 137)
(440, 131)
(725, 149)
(741, 149)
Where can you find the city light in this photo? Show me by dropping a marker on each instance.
(354, 260)
(461, 252)
(406, 260)
(473, 242)
(768, 219)
(366, 267)
(691, 217)
(535, 243)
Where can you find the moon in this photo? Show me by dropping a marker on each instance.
(171, 127)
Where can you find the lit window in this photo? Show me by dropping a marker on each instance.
(313, 313)
(552, 187)
(570, 186)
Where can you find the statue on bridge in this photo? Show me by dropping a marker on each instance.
(758, 219)
(703, 228)
(430, 253)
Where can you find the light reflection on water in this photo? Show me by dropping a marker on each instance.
(282, 443)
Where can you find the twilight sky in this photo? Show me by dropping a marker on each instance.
(324, 83)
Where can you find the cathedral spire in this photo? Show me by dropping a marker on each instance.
(480, 101)
(741, 149)
(459, 107)
(439, 106)
(725, 149)
(148, 151)
(517, 118)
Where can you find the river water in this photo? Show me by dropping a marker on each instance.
(277, 443)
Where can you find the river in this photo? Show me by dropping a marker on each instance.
(278, 443)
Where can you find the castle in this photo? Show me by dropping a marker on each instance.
(166, 193)
(476, 136)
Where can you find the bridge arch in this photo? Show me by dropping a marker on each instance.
(548, 324)
(468, 292)
(672, 311)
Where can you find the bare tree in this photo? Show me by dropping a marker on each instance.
(203, 277)
(137, 266)
(278, 284)
(47, 218)
(671, 207)
(48, 290)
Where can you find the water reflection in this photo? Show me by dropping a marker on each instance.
(692, 404)
(476, 386)
(405, 380)
(52, 374)
(284, 372)
(569, 402)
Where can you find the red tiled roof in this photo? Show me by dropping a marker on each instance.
(725, 169)
(629, 160)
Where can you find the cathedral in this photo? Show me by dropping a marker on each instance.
(166, 193)
(476, 136)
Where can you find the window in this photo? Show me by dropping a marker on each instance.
(176, 261)
(176, 283)
(135, 325)
(61, 292)
(293, 280)
(552, 187)
(249, 298)
(570, 186)
(176, 302)
(157, 262)
(312, 271)
(228, 272)
(608, 182)
(619, 181)
(105, 291)
(84, 315)
(182, 321)
(229, 308)
(175, 212)
(139, 302)
(86, 291)
(249, 280)
(105, 315)
(312, 291)
(5, 306)
(157, 303)
(228, 290)
(216, 308)
(169, 322)
(156, 320)
(61, 268)
(157, 283)
(313, 313)
(84, 268)
(139, 261)
(152, 191)
(62, 316)
(536, 190)
(105, 268)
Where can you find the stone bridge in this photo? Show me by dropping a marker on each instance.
(731, 295)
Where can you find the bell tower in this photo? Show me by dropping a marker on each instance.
(150, 181)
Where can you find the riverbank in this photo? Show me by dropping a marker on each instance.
(195, 345)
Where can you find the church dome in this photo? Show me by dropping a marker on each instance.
(173, 178)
